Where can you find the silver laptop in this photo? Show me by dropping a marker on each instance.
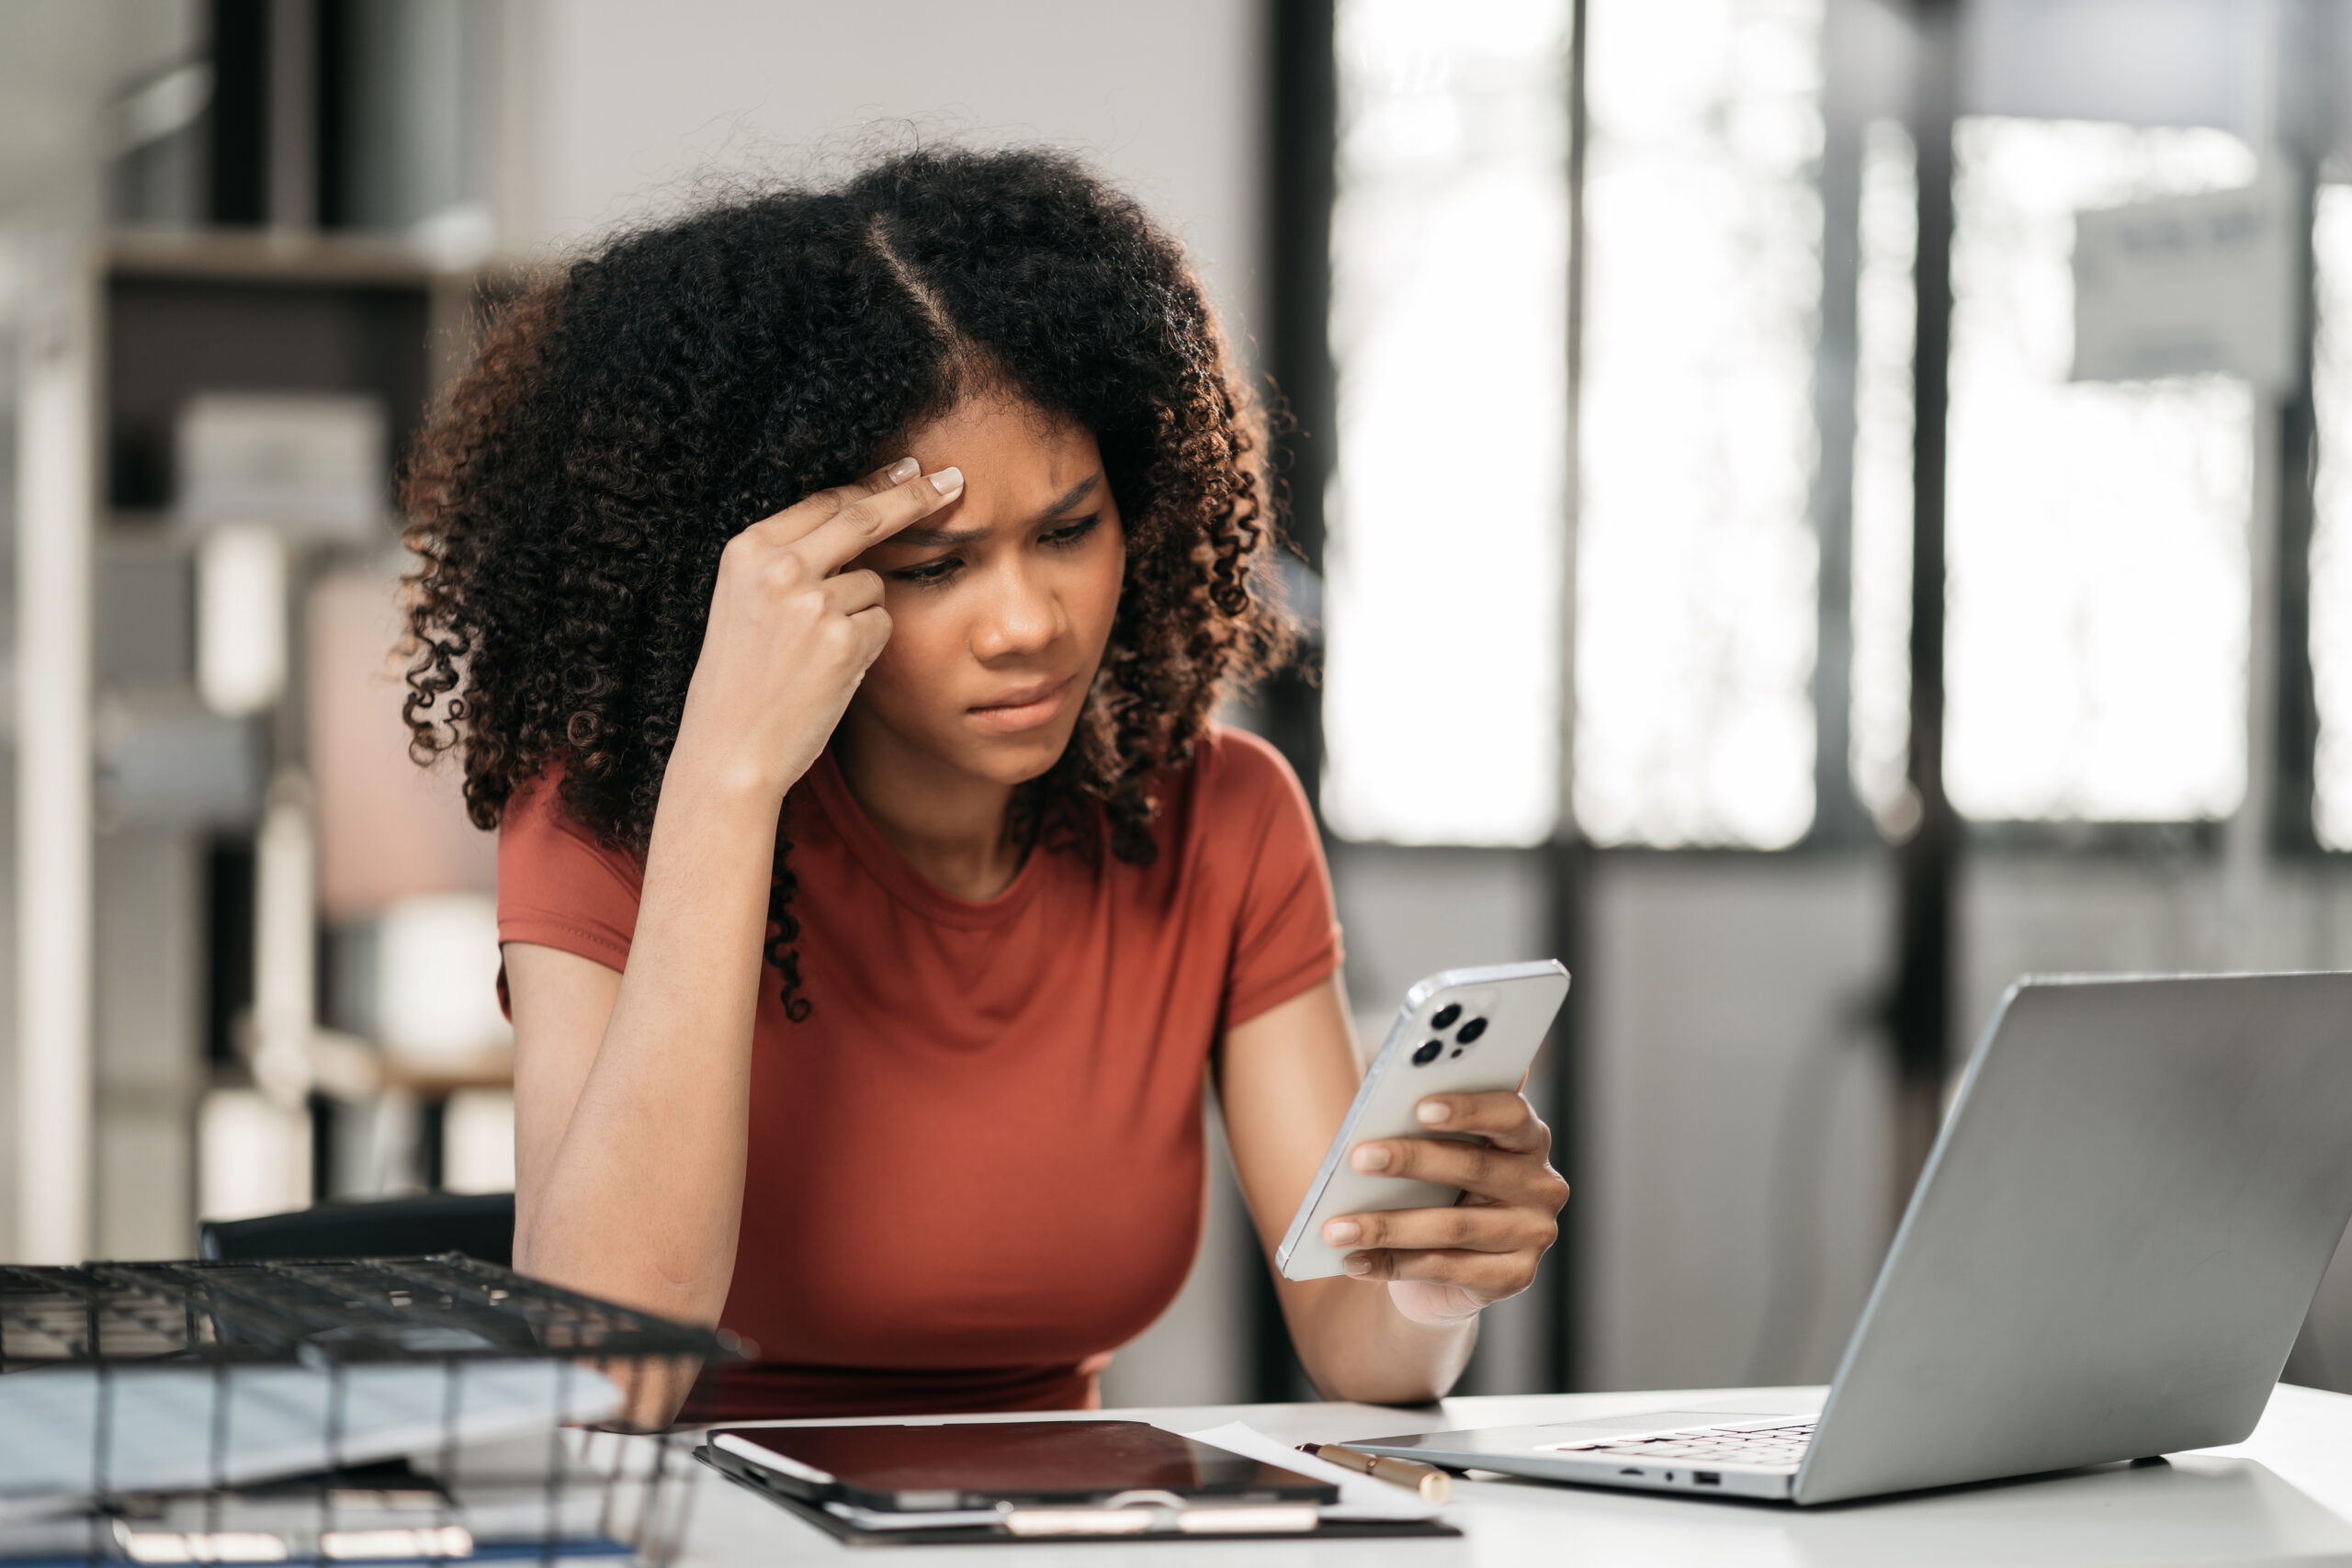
(2107, 1257)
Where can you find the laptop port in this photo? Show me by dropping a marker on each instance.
(1708, 1477)
(1629, 1473)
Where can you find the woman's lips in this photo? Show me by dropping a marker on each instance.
(1025, 707)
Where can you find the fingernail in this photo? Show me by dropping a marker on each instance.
(1432, 1112)
(947, 482)
(1357, 1264)
(1371, 1156)
(904, 469)
(1343, 1233)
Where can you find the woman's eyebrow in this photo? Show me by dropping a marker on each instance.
(948, 538)
(936, 538)
(1073, 495)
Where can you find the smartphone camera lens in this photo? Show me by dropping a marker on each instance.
(1428, 1053)
(1471, 1030)
(1443, 1018)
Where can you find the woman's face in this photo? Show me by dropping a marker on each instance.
(1001, 603)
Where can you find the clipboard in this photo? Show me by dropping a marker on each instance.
(754, 1478)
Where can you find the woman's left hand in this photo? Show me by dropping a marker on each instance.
(1443, 1265)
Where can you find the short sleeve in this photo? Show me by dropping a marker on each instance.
(1262, 836)
(561, 886)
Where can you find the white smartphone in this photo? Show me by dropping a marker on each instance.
(1462, 1031)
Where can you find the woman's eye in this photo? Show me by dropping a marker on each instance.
(929, 572)
(1070, 534)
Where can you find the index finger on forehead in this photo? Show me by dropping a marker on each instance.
(866, 522)
(805, 517)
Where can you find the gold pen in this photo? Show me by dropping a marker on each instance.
(1434, 1485)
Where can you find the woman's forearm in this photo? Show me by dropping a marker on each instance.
(1401, 1329)
(641, 1197)
(1355, 1344)
(638, 1196)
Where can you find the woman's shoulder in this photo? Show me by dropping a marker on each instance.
(1236, 788)
(1253, 842)
(560, 884)
(542, 842)
(1234, 765)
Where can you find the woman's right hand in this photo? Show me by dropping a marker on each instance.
(792, 633)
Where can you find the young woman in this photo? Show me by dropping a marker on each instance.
(827, 595)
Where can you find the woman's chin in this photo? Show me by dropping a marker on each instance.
(1019, 758)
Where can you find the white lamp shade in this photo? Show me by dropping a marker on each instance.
(241, 618)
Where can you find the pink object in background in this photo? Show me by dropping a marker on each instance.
(386, 829)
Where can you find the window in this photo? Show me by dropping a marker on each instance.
(1697, 556)
(1449, 264)
(2096, 650)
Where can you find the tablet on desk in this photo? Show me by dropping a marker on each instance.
(927, 1469)
(976, 1481)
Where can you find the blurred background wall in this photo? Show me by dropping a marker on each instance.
(1768, 546)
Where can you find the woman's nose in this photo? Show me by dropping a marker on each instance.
(1023, 616)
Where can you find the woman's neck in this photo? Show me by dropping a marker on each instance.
(952, 826)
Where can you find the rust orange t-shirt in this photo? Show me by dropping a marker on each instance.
(977, 1165)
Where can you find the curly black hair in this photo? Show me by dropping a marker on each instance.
(628, 414)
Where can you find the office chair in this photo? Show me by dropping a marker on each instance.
(480, 1225)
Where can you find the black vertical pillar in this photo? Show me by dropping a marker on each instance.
(334, 84)
(1927, 863)
(2308, 46)
(1838, 816)
(1561, 1283)
(238, 119)
(2293, 828)
(1303, 120)
(1300, 185)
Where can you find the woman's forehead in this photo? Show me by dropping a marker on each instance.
(1022, 453)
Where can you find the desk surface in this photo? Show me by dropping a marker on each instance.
(2285, 1495)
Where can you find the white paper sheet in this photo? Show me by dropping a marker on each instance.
(1361, 1497)
(159, 1427)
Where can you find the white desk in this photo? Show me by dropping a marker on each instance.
(2283, 1496)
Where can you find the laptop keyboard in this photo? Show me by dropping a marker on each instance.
(1782, 1445)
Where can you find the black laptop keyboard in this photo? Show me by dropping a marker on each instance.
(1783, 1444)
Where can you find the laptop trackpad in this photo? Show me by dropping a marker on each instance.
(1522, 1440)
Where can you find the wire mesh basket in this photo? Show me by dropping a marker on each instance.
(419, 1409)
